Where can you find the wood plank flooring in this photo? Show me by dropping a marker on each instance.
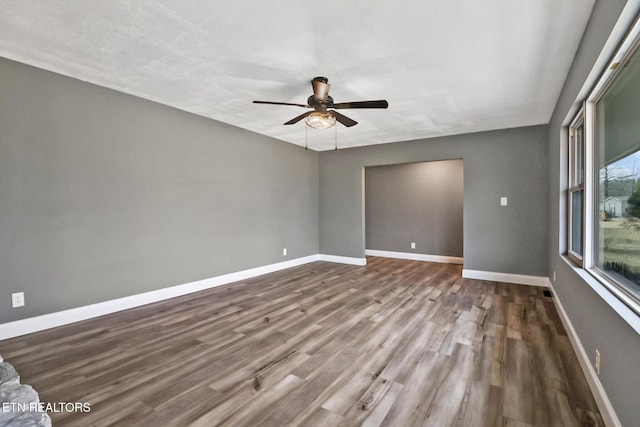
(395, 343)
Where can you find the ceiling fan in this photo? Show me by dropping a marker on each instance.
(324, 115)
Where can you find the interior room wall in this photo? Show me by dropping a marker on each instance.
(508, 163)
(597, 325)
(415, 202)
(105, 195)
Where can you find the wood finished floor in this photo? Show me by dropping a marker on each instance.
(395, 343)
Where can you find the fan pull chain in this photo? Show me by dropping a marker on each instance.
(306, 146)
(336, 134)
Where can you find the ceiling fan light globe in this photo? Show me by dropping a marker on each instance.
(320, 120)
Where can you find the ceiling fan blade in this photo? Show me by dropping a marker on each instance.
(281, 103)
(381, 103)
(344, 119)
(320, 88)
(298, 118)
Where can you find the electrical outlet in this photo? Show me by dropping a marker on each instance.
(503, 201)
(413, 245)
(17, 299)
(554, 275)
(597, 364)
(284, 251)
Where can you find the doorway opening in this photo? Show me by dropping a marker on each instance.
(415, 210)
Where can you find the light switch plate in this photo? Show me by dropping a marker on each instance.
(503, 201)
(17, 299)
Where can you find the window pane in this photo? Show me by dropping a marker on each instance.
(618, 231)
(579, 156)
(576, 221)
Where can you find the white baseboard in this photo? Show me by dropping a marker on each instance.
(414, 256)
(518, 279)
(52, 320)
(602, 400)
(65, 317)
(342, 259)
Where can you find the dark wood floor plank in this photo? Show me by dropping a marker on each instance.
(450, 401)
(251, 413)
(413, 402)
(322, 417)
(484, 406)
(395, 343)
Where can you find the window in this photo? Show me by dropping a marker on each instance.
(603, 197)
(576, 189)
(617, 157)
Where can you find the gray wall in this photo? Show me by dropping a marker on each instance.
(511, 162)
(415, 202)
(597, 325)
(104, 195)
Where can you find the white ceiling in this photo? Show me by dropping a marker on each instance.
(445, 66)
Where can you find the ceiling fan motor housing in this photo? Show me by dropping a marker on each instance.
(318, 104)
(320, 88)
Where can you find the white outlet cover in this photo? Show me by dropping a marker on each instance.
(413, 245)
(503, 201)
(284, 251)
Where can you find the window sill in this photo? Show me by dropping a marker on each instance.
(623, 310)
